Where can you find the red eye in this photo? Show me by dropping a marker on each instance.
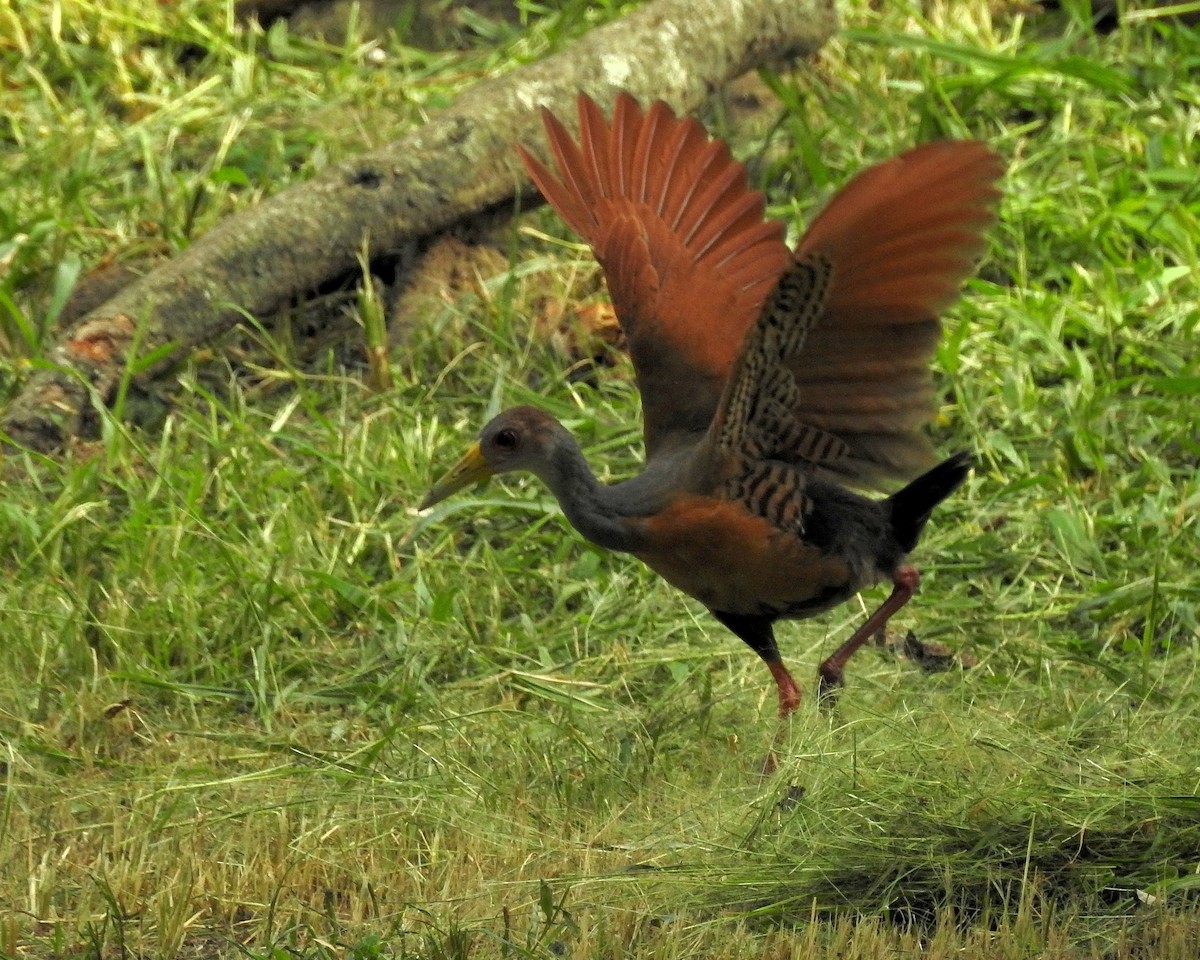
(507, 440)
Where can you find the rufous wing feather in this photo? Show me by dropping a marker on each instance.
(690, 263)
(686, 252)
(901, 237)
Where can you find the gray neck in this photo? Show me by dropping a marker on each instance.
(600, 513)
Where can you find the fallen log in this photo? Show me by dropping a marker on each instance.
(454, 167)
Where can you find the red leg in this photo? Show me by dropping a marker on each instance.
(789, 691)
(789, 700)
(756, 631)
(760, 637)
(905, 581)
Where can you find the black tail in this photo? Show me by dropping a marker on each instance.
(912, 506)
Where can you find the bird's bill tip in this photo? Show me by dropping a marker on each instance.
(472, 468)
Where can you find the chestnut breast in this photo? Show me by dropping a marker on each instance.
(735, 562)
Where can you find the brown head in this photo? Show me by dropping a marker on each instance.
(521, 438)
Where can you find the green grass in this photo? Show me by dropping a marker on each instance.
(252, 705)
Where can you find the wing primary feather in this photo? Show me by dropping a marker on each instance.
(660, 159)
(568, 158)
(744, 212)
(724, 186)
(626, 124)
(557, 194)
(647, 147)
(594, 143)
(693, 179)
(687, 145)
(580, 198)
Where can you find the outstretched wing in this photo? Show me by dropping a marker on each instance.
(902, 237)
(687, 255)
(835, 373)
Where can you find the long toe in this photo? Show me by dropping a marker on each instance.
(829, 685)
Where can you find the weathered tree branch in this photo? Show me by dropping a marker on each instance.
(459, 163)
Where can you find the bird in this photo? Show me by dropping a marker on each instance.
(778, 386)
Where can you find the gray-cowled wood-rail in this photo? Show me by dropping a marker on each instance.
(770, 379)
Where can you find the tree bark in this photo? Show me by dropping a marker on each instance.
(460, 163)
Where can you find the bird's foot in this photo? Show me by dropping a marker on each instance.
(830, 680)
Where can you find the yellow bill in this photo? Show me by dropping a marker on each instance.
(472, 468)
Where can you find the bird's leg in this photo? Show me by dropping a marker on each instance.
(789, 690)
(905, 581)
(758, 634)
